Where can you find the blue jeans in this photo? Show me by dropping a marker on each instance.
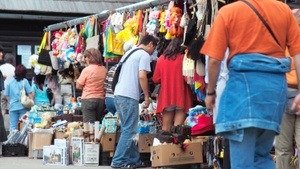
(110, 105)
(14, 117)
(253, 152)
(127, 151)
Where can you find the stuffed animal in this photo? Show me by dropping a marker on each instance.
(126, 35)
(175, 19)
(72, 127)
(152, 25)
(162, 28)
(56, 41)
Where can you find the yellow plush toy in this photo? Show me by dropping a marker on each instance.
(72, 127)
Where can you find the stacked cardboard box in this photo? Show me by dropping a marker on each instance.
(176, 154)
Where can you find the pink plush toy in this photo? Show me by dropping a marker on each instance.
(153, 24)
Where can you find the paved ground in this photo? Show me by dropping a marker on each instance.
(26, 163)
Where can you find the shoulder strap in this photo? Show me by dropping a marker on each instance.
(130, 54)
(262, 19)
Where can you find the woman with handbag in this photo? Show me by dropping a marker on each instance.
(12, 91)
(91, 81)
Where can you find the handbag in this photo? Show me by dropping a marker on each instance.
(92, 42)
(49, 94)
(118, 70)
(25, 100)
(44, 57)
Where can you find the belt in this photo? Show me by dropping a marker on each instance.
(66, 84)
(293, 86)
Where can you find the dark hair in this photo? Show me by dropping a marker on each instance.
(9, 58)
(94, 55)
(39, 80)
(20, 72)
(1, 48)
(174, 48)
(149, 38)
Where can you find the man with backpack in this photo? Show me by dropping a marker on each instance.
(133, 78)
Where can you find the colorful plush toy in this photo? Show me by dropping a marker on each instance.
(162, 28)
(55, 42)
(152, 25)
(175, 19)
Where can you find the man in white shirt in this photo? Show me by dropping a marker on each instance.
(8, 71)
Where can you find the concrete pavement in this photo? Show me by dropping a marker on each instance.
(26, 163)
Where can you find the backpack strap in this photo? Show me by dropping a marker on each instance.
(130, 54)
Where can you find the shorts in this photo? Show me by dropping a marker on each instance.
(173, 108)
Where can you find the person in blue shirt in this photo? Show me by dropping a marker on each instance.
(12, 91)
(40, 91)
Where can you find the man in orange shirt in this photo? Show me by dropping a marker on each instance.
(290, 125)
(253, 101)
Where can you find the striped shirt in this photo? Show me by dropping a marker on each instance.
(108, 81)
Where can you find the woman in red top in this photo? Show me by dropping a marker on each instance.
(175, 96)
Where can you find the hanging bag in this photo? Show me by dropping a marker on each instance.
(44, 57)
(118, 70)
(93, 41)
(25, 100)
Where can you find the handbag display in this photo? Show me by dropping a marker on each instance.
(25, 100)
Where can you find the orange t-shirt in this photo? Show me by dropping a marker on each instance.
(239, 28)
(92, 79)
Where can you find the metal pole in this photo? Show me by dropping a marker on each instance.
(104, 14)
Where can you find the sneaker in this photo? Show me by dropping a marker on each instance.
(141, 165)
(129, 166)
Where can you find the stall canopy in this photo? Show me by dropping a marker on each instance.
(105, 13)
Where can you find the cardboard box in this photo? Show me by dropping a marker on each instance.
(54, 155)
(200, 138)
(91, 154)
(59, 135)
(77, 150)
(145, 142)
(108, 142)
(39, 140)
(172, 154)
